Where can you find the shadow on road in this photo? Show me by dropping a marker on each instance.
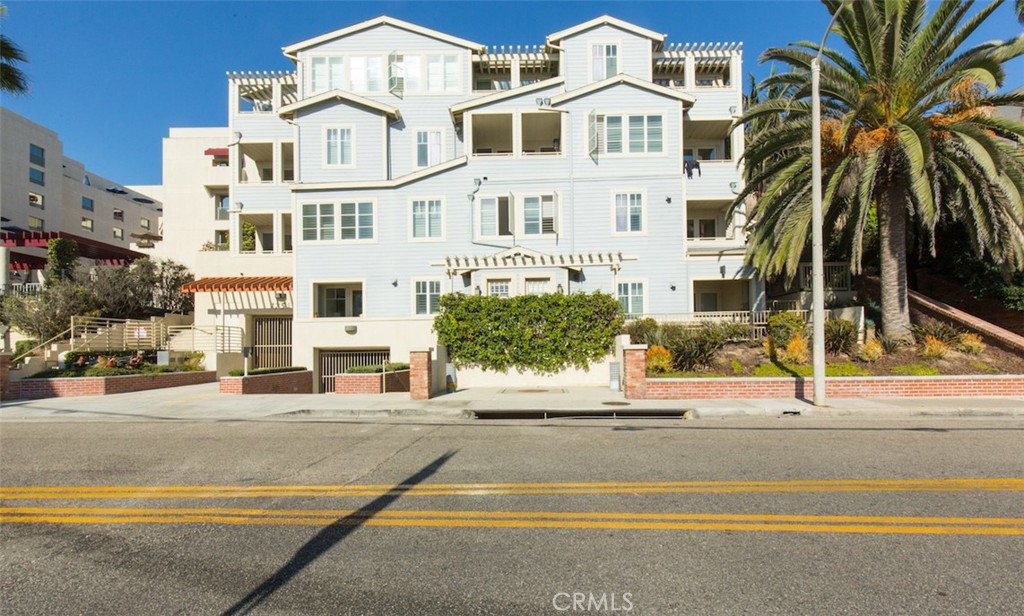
(328, 537)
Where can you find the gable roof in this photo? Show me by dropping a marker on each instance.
(605, 20)
(292, 50)
(458, 109)
(289, 110)
(627, 79)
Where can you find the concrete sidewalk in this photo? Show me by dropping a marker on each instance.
(205, 403)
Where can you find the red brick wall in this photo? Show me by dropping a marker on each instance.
(635, 372)
(102, 385)
(298, 382)
(420, 383)
(838, 387)
(357, 383)
(5, 383)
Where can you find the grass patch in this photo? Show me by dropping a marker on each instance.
(981, 366)
(777, 369)
(737, 367)
(916, 370)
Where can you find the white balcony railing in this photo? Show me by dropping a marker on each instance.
(837, 277)
(716, 179)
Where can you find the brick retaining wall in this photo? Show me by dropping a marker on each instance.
(371, 383)
(421, 378)
(835, 387)
(296, 382)
(32, 389)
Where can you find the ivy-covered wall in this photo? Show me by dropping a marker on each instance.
(544, 333)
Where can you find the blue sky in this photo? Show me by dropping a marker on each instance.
(112, 77)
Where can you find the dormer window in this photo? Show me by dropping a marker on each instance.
(604, 61)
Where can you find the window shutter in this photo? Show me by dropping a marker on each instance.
(592, 135)
(548, 215)
(396, 74)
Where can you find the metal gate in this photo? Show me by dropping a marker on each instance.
(271, 342)
(338, 362)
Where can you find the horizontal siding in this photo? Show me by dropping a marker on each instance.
(634, 54)
(714, 103)
(262, 198)
(368, 134)
(421, 113)
(714, 180)
(260, 126)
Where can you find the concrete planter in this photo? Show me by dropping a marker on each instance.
(30, 389)
(837, 387)
(371, 383)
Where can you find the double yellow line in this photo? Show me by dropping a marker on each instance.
(519, 520)
(526, 489)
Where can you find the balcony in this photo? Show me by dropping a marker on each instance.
(715, 179)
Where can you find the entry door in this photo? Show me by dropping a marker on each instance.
(271, 342)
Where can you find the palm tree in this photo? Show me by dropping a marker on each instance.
(12, 80)
(908, 127)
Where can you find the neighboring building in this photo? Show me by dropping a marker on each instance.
(45, 195)
(398, 163)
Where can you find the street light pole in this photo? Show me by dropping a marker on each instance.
(817, 242)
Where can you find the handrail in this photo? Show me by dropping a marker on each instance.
(41, 345)
(217, 338)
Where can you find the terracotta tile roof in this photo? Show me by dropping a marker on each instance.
(239, 283)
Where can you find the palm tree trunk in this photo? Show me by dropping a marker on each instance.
(892, 239)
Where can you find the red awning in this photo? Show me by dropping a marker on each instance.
(21, 261)
(88, 248)
(216, 152)
(239, 283)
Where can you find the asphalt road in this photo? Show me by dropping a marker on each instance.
(787, 516)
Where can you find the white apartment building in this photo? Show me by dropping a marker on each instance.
(46, 195)
(399, 163)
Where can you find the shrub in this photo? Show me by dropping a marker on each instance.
(736, 332)
(659, 360)
(871, 351)
(640, 330)
(796, 351)
(840, 336)
(933, 348)
(693, 347)
(737, 367)
(943, 332)
(193, 360)
(784, 325)
(971, 344)
(259, 371)
(371, 369)
(24, 346)
(890, 344)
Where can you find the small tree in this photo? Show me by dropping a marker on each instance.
(167, 293)
(61, 259)
(125, 291)
(49, 312)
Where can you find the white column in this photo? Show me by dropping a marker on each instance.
(516, 77)
(278, 233)
(5, 264)
(690, 72)
(235, 237)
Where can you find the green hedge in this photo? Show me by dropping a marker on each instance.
(375, 368)
(54, 373)
(259, 371)
(545, 333)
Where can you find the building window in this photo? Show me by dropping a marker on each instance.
(539, 215)
(36, 176)
(36, 224)
(613, 135)
(366, 73)
(605, 61)
(221, 205)
(339, 146)
(631, 297)
(428, 296)
(36, 200)
(87, 223)
(499, 288)
(326, 74)
(144, 223)
(537, 286)
(339, 300)
(88, 204)
(118, 214)
(428, 148)
(357, 221)
(118, 233)
(220, 239)
(36, 155)
(442, 73)
(629, 212)
(318, 221)
(699, 153)
(495, 217)
(645, 134)
(426, 219)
